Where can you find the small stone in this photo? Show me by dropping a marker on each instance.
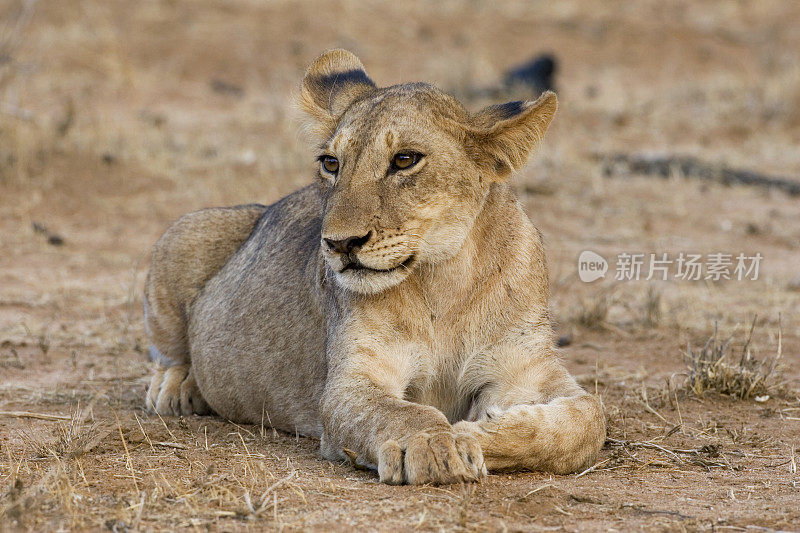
(564, 340)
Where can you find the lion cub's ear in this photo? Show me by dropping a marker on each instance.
(332, 82)
(501, 137)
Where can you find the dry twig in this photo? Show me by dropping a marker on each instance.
(38, 416)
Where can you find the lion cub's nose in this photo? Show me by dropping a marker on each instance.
(348, 245)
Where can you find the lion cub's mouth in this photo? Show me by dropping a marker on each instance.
(357, 265)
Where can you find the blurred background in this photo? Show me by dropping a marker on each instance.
(117, 117)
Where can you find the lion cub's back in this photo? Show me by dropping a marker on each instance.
(190, 253)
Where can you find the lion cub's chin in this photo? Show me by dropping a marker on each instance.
(367, 281)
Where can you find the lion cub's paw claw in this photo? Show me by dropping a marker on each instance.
(472, 454)
(173, 392)
(440, 458)
(390, 463)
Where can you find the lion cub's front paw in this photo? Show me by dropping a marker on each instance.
(173, 391)
(444, 458)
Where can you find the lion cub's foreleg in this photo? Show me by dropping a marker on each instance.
(561, 436)
(404, 441)
(366, 417)
(190, 253)
(535, 417)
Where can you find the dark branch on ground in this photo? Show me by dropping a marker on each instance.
(666, 166)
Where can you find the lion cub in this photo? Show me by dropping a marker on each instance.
(396, 308)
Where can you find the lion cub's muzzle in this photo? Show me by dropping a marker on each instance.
(357, 253)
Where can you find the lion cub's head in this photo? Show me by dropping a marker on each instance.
(404, 170)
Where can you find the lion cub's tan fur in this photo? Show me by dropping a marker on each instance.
(399, 314)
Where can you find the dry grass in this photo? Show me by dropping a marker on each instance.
(22, 144)
(718, 367)
(68, 438)
(591, 312)
(652, 307)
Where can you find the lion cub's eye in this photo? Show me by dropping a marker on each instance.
(329, 164)
(405, 160)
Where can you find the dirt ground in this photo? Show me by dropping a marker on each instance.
(117, 117)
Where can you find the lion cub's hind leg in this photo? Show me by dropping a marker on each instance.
(189, 254)
(173, 391)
